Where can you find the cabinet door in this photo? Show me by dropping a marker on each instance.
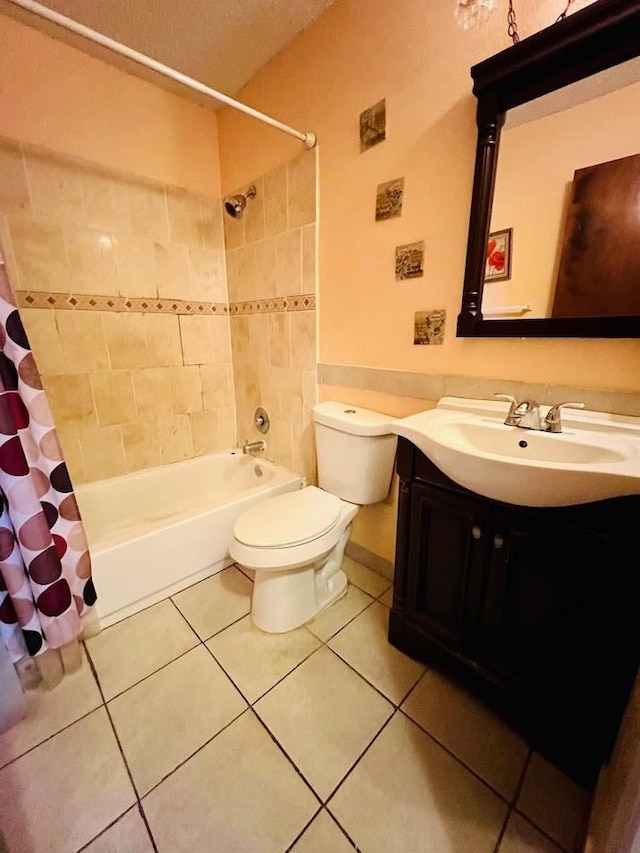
(556, 635)
(446, 568)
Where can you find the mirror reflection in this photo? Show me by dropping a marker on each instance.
(565, 220)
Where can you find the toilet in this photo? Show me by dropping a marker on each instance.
(295, 542)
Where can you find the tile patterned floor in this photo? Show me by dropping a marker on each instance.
(187, 729)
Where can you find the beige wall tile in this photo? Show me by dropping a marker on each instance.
(105, 201)
(206, 273)
(309, 259)
(304, 453)
(84, 340)
(135, 261)
(92, 261)
(40, 254)
(14, 191)
(172, 271)
(275, 201)
(126, 340)
(184, 216)
(186, 389)
(152, 387)
(113, 397)
(204, 429)
(272, 381)
(162, 334)
(309, 393)
(280, 445)
(148, 211)
(217, 389)
(246, 273)
(103, 452)
(279, 340)
(303, 339)
(264, 258)
(291, 404)
(221, 336)
(289, 263)
(232, 259)
(40, 325)
(211, 226)
(301, 185)
(227, 436)
(254, 214)
(56, 189)
(233, 231)
(141, 446)
(70, 398)
(70, 442)
(174, 436)
(197, 340)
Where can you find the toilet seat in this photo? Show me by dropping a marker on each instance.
(292, 556)
(287, 520)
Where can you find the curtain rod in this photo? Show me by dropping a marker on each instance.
(309, 139)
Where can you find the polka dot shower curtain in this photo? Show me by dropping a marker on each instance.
(46, 591)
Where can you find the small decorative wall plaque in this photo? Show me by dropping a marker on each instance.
(410, 261)
(373, 125)
(498, 261)
(428, 327)
(389, 199)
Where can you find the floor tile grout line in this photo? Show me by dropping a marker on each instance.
(135, 806)
(341, 827)
(194, 753)
(342, 627)
(364, 678)
(51, 736)
(542, 832)
(453, 755)
(155, 672)
(122, 754)
(302, 831)
(355, 764)
(287, 756)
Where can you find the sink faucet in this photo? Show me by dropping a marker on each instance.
(254, 446)
(526, 415)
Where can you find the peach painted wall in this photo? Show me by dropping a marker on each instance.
(57, 97)
(411, 53)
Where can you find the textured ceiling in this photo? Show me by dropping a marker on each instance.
(220, 42)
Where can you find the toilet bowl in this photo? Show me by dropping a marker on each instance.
(295, 542)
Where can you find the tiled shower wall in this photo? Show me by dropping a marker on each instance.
(122, 289)
(271, 270)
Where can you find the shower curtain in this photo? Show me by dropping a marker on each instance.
(46, 591)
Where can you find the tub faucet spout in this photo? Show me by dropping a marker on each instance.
(254, 446)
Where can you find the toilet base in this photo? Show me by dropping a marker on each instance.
(284, 600)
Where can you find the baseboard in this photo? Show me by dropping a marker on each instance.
(369, 559)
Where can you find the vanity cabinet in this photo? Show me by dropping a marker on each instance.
(537, 609)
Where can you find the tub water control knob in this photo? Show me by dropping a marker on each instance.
(261, 420)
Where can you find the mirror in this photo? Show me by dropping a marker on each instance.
(554, 231)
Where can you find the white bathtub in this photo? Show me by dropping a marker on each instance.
(155, 532)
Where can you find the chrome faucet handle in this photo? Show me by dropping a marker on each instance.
(528, 415)
(552, 421)
(512, 419)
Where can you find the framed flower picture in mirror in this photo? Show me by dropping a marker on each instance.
(498, 259)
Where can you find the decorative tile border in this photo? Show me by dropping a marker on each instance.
(301, 302)
(119, 304)
(423, 386)
(156, 305)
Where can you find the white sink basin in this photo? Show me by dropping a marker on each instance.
(596, 456)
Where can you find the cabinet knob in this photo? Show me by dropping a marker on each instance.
(476, 532)
(498, 541)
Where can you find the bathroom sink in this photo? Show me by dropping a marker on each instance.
(596, 456)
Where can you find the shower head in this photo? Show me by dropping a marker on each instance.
(235, 204)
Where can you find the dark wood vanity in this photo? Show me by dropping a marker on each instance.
(536, 609)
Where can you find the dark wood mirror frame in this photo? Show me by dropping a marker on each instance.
(596, 38)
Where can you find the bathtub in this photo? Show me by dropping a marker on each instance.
(155, 532)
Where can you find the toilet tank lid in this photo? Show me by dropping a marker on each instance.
(352, 419)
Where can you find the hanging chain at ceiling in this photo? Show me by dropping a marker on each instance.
(473, 13)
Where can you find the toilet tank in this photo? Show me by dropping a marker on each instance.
(356, 451)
